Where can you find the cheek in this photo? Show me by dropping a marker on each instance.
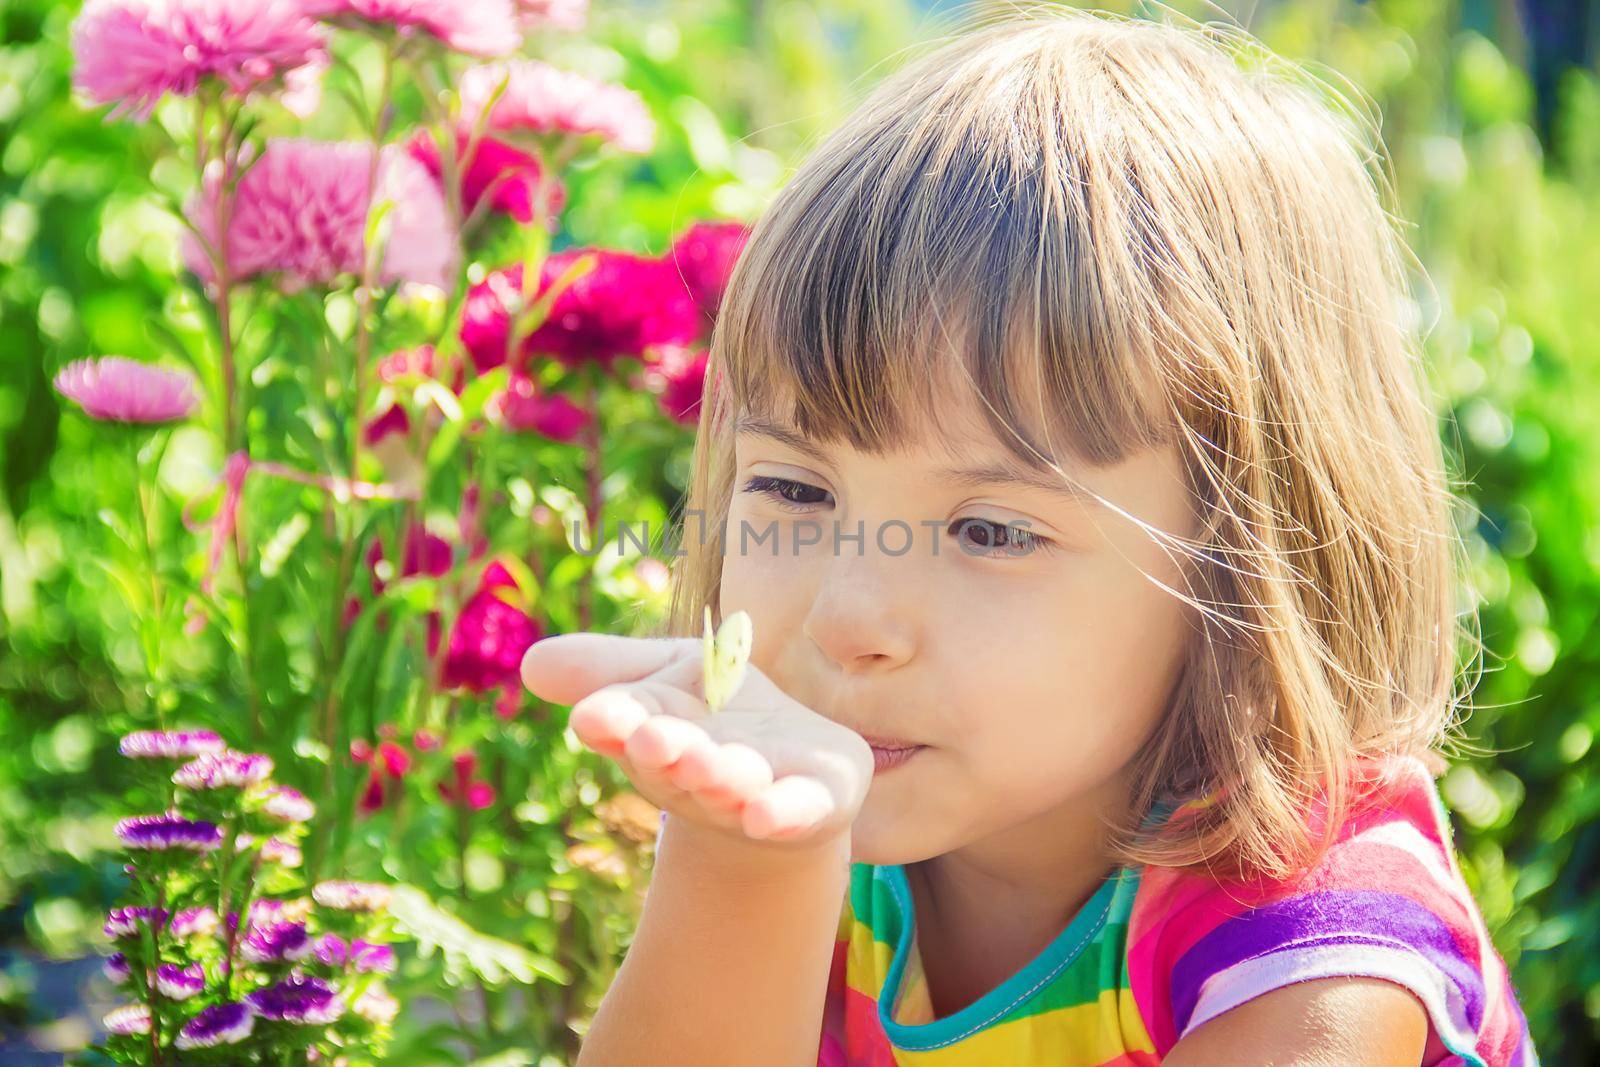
(772, 587)
(1082, 666)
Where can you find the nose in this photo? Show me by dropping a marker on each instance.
(863, 615)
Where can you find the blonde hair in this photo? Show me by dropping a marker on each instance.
(1160, 235)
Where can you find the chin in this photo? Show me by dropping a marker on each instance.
(883, 840)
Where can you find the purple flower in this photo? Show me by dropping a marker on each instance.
(226, 769)
(116, 968)
(287, 805)
(127, 922)
(128, 1019)
(220, 1024)
(351, 896)
(115, 389)
(180, 983)
(192, 921)
(169, 831)
(171, 744)
(364, 957)
(298, 999)
(280, 911)
(276, 942)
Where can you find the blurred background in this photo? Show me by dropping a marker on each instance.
(1491, 111)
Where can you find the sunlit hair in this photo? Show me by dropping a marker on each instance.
(1126, 234)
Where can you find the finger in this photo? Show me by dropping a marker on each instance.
(604, 720)
(723, 775)
(790, 804)
(568, 667)
(661, 739)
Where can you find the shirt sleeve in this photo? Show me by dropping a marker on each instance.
(1387, 900)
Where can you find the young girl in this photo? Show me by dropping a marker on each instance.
(1066, 444)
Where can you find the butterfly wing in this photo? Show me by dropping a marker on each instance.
(726, 654)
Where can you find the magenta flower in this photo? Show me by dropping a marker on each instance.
(624, 305)
(300, 212)
(552, 415)
(351, 896)
(298, 999)
(393, 421)
(180, 983)
(480, 27)
(509, 176)
(552, 14)
(704, 255)
(490, 636)
(168, 744)
(541, 99)
(115, 389)
(679, 376)
(220, 1024)
(128, 1019)
(131, 53)
(159, 833)
(226, 770)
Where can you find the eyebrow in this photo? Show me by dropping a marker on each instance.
(1013, 475)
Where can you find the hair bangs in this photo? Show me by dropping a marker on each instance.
(941, 248)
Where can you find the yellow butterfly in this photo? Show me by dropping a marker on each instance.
(726, 654)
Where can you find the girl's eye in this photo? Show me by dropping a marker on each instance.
(994, 540)
(789, 495)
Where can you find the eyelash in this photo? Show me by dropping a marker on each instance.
(775, 489)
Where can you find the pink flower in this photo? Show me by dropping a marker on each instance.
(552, 14)
(679, 377)
(490, 636)
(421, 553)
(539, 98)
(552, 415)
(390, 764)
(395, 420)
(301, 211)
(131, 53)
(476, 27)
(704, 255)
(623, 306)
(115, 389)
(407, 364)
(475, 793)
(509, 176)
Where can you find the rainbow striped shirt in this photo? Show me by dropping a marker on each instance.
(1154, 953)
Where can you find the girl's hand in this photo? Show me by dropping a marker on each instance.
(765, 767)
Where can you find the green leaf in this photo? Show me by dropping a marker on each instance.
(465, 949)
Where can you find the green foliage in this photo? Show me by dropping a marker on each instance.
(1506, 227)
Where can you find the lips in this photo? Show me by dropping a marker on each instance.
(889, 743)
